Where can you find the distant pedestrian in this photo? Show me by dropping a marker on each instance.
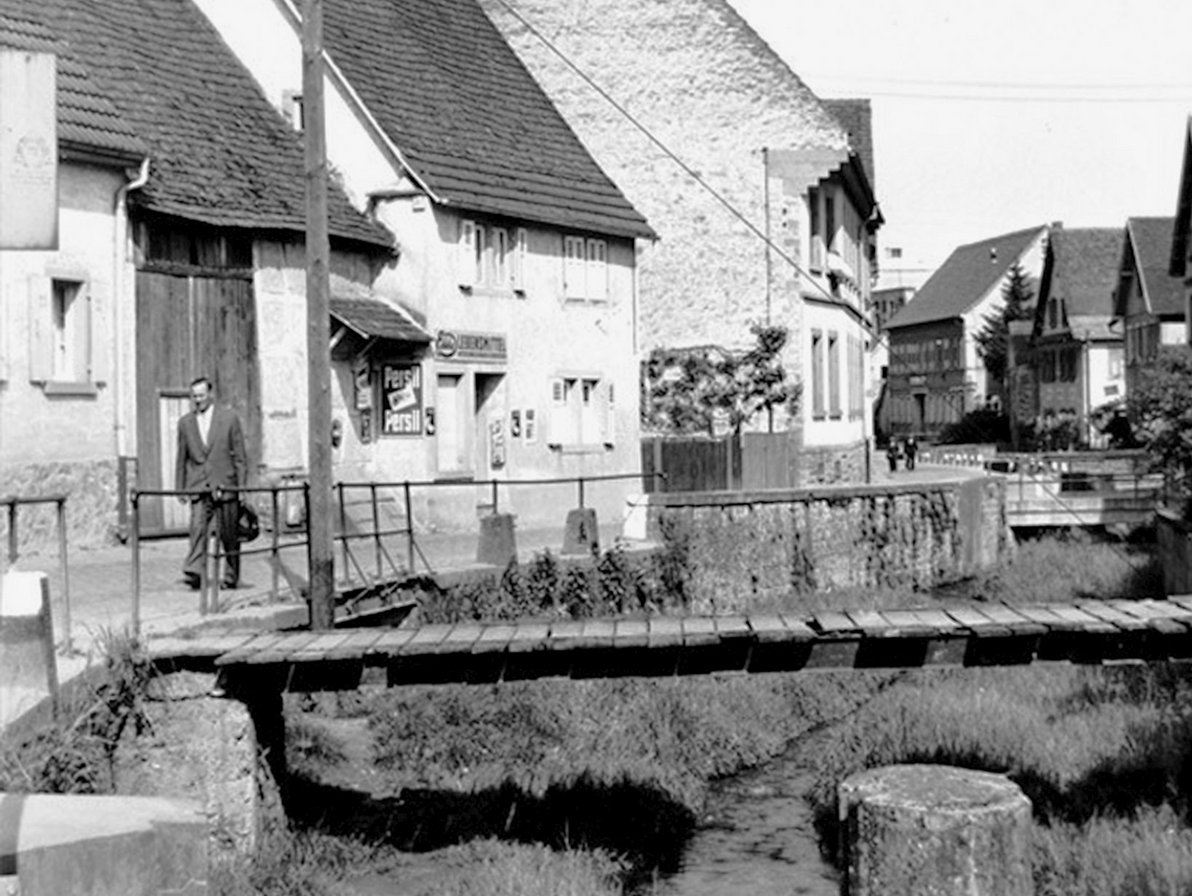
(910, 449)
(210, 460)
(892, 455)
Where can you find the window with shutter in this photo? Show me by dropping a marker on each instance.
(517, 266)
(610, 416)
(817, 374)
(833, 374)
(597, 251)
(562, 430)
(500, 257)
(466, 263)
(574, 268)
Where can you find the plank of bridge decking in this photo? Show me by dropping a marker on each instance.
(565, 634)
(1086, 622)
(317, 648)
(799, 629)
(732, 626)
(388, 645)
(495, 638)
(426, 639)
(974, 620)
(831, 622)
(1161, 619)
(206, 646)
(939, 620)
(907, 623)
(1181, 600)
(357, 645)
(278, 651)
(631, 633)
(1043, 615)
(768, 628)
(699, 631)
(460, 639)
(597, 634)
(665, 631)
(249, 647)
(529, 636)
(872, 624)
(1016, 622)
(1165, 609)
(1107, 613)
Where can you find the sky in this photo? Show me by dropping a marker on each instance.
(995, 116)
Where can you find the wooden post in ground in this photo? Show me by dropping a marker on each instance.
(318, 326)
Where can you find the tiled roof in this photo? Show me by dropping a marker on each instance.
(1150, 239)
(1086, 268)
(964, 278)
(370, 316)
(856, 117)
(219, 153)
(469, 119)
(86, 117)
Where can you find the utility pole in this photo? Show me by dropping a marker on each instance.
(318, 327)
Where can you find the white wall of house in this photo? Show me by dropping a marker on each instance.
(560, 367)
(834, 342)
(1031, 262)
(58, 356)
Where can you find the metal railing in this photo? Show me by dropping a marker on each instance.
(13, 505)
(354, 541)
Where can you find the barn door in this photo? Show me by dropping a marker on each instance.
(187, 327)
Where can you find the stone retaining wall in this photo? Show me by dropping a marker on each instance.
(1173, 534)
(90, 487)
(740, 548)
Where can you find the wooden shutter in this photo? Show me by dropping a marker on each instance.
(560, 415)
(41, 334)
(574, 268)
(517, 267)
(610, 414)
(597, 269)
(466, 261)
(99, 334)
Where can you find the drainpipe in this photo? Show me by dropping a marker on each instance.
(121, 304)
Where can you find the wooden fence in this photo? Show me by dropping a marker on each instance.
(751, 460)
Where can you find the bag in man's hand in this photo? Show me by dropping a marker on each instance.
(248, 525)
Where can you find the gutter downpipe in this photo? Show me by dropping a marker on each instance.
(120, 301)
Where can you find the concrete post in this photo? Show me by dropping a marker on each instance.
(498, 544)
(934, 830)
(581, 535)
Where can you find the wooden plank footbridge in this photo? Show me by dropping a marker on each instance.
(973, 634)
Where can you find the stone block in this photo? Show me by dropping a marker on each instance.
(935, 830)
(498, 543)
(103, 845)
(580, 534)
(28, 664)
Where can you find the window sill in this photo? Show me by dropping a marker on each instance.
(62, 387)
(455, 476)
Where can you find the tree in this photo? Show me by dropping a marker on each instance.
(993, 339)
(1161, 407)
(688, 389)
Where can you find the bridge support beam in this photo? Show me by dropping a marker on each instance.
(936, 830)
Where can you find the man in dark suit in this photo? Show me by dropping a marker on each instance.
(211, 459)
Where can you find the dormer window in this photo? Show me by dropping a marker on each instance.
(585, 268)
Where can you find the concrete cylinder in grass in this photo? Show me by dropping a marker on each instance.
(934, 830)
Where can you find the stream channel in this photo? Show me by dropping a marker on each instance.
(756, 837)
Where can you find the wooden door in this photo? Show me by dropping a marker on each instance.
(189, 326)
(171, 406)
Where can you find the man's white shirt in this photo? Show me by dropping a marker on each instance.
(203, 418)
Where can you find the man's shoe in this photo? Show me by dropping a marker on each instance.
(229, 586)
(192, 580)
